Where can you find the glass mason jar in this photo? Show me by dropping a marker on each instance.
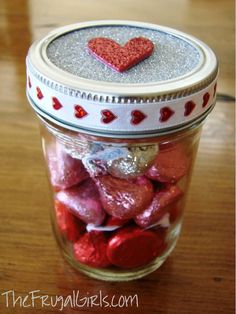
(119, 144)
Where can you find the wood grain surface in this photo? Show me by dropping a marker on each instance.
(199, 275)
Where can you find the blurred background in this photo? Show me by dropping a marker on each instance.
(23, 21)
(199, 275)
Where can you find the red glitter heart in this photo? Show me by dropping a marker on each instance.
(137, 117)
(29, 82)
(206, 98)
(121, 58)
(39, 93)
(80, 112)
(56, 103)
(107, 116)
(165, 114)
(189, 107)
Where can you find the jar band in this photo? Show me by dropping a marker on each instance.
(74, 112)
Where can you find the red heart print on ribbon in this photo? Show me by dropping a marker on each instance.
(215, 86)
(29, 82)
(39, 93)
(189, 107)
(107, 116)
(121, 58)
(206, 98)
(56, 103)
(80, 112)
(165, 114)
(137, 117)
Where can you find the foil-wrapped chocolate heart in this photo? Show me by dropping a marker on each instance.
(136, 162)
(120, 161)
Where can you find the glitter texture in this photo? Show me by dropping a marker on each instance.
(172, 56)
(121, 58)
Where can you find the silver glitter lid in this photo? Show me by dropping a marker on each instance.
(172, 57)
(179, 66)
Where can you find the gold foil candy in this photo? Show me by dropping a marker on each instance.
(136, 162)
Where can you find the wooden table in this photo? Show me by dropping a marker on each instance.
(199, 275)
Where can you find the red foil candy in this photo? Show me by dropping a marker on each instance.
(170, 165)
(113, 221)
(133, 247)
(162, 199)
(68, 224)
(83, 201)
(65, 171)
(118, 57)
(122, 198)
(91, 249)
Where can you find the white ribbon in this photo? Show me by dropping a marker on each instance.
(41, 97)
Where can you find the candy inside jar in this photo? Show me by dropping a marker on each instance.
(113, 223)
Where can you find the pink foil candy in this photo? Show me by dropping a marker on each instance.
(158, 207)
(83, 201)
(122, 198)
(171, 164)
(65, 171)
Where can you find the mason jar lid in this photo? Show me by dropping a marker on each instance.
(121, 78)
